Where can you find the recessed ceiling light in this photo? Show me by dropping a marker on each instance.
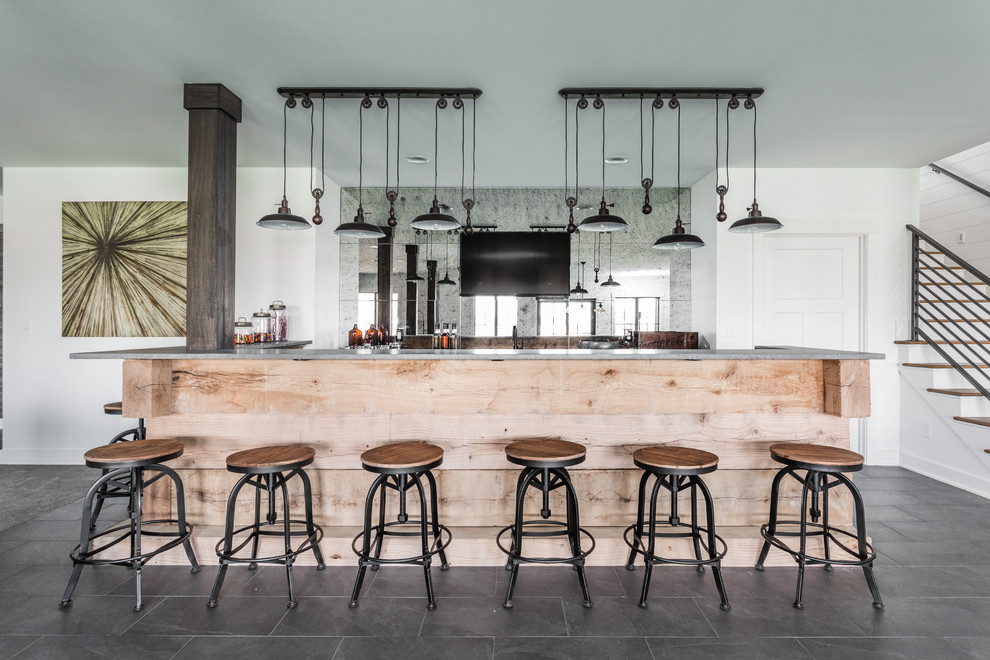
(416, 159)
(616, 160)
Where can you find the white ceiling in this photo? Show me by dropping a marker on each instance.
(884, 83)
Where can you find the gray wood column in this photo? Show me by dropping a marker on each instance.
(214, 112)
(384, 311)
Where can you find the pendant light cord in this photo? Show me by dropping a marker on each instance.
(388, 154)
(463, 161)
(678, 162)
(474, 141)
(398, 137)
(285, 134)
(653, 139)
(360, 155)
(312, 135)
(567, 151)
(716, 141)
(641, 172)
(577, 147)
(436, 128)
(603, 150)
(323, 144)
(754, 149)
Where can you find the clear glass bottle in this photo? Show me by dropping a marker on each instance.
(455, 340)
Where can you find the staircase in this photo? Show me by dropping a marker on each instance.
(947, 365)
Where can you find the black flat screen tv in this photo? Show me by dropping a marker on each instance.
(515, 264)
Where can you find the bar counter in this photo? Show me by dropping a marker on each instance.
(734, 403)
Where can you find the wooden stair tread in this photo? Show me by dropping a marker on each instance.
(550, 449)
(980, 421)
(136, 451)
(675, 458)
(939, 365)
(817, 454)
(940, 268)
(955, 283)
(402, 455)
(922, 342)
(260, 457)
(955, 391)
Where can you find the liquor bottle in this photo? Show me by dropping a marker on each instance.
(371, 336)
(436, 336)
(445, 337)
(455, 340)
(355, 337)
(383, 337)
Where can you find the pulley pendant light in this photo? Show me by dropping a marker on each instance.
(578, 289)
(647, 181)
(359, 227)
(603, 221)
(318, 192)
(678, 239)
(435, 220)
(283, 218)
(468, 202)
(610, 282)
(570, 201)
(392, 195)
(755, 222)
(722, 190)
(446, 281)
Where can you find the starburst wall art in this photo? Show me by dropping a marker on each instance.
(123, 269)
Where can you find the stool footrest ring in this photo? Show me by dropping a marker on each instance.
(818, 529)
(638, 547)
(307, 545)
(546, 560)
(438, 544)
(178, 537)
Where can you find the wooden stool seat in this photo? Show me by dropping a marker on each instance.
(816, 457)
(277, 458)
(115, 408)
(682, 460)
(402, 457)
(545, 453)
(137, 453)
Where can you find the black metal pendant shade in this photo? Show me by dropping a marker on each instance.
(579, 290)
(610, 281)
(603, 221)
(283, 219)
(678, 239)
(435, 220)
(359, 227)
(446, 281)
(755, 222)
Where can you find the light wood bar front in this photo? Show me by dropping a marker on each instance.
(735, 408)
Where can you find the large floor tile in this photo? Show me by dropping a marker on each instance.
(259, 648)
(880, 533)
(415, 648)
(777, 617)
(669, 582)
(180, 581)
(973, 647)
(935, 553)
(410, 582)
(87, 615)
(485, 617)
(881, 648)
(732, 649)
(965, 513)
(91, 647)
(38, 552)
(44, 530)
(233, 616)
(42, 580)
(944, 531)
(271, 581)
(571, 648)
(673, 617)
(11, 644)
(888, 513)
(780, 582)
(921, 617)
(561, 581)
(374, 617)
(933, 581)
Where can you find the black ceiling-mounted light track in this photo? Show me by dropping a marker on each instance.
(681, 93)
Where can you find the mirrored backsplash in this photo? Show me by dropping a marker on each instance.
(654, 291)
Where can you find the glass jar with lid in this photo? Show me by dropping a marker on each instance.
(279, 320)
(261, 324)
(243, 332)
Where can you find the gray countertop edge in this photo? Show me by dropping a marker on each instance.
(272, 353)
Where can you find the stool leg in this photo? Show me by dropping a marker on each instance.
(279, 482)
(228, 539)
(638, 532)
(861, 538)
(310, 529)
(574, 524)
(800, 557)
(436, 519)
(824, 487)
(695, 527)
(100, 497)
(380, 536)
(255, 533)
(425, 536)
(524, 483)
(712, 548)
(84, 539)
(137, 493)
(366, 540)
(519, 481)
(772, 526)
(651, 547)
(180, 512)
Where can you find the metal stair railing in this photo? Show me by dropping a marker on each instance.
(946, 307)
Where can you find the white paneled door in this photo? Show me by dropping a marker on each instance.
(809, 289)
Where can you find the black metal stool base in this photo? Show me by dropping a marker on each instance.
(546, 479)
(709, 547)
(434, 537)
(108, 490)
(815, 483)
(269, 482)
(129, 482)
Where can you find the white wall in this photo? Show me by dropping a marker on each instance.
(53, 406)
(872, 203)
(948, 208)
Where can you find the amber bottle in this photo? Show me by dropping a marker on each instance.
(445, 337)
(371, 336)
(355, 337)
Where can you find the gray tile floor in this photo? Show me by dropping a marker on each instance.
(933, 570)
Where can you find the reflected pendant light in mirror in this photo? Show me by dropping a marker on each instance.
(446, 281)
(359, 227)
(283, 217)
(678, 239)
(435, 219)
(610, 282)
(755, 222)
(603, 221)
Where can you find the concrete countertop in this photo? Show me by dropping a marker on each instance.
(494, 354)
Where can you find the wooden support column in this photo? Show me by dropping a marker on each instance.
(214, 112)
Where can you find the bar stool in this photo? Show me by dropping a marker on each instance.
(675, 469)
(545, 464)
(400, 467)
(125, 466)
(136, 433)
(269, 469)
(821, 464)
